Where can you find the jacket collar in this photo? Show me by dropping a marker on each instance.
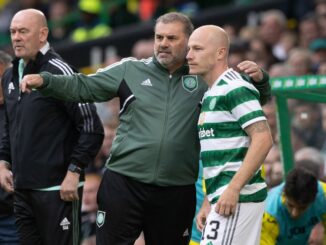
(45, 48)
(32, 66)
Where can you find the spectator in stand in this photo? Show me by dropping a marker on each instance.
(322, 68)
(296, 139)
(312, 166)
(318, 49)
(231, 31)
(120, 14)
(308, 124)
(314, 156)
(272, 27)
(90, 25)
(247, 33)
(143, 49)
(60, 28)
(237, 53)
(320, 10)
(272, 158)
(273, 155)
(280, 70)
(308, 30)
(289, 40)
(300, 62)
(146, 9)
(261, 53)
(276, 174)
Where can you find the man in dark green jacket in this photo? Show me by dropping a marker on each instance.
(153, 165)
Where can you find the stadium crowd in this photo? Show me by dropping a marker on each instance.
(83, 20)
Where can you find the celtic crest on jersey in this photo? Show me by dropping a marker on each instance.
(190, 83)
(100, 218)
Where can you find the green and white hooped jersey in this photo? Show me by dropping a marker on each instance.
(228, 107)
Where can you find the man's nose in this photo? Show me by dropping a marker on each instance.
(294, 213)
(164, 42)
(15, 36)
(189, 55)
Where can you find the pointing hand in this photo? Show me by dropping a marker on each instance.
(31, 81)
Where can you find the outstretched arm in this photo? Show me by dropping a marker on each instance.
(100, 86)
(30, 82)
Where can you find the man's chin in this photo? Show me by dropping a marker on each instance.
(295, 218)
(19, 54)
(192, 72)
(164, 62)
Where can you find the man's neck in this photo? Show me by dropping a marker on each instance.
(215, 74)
(44, 49)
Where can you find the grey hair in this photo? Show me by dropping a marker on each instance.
(310, 153)
(5, 58)
(275, 14)
(177, 17)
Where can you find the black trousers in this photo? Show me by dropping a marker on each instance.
(42, 218)
(127, 207)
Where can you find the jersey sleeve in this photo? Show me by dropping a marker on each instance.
(269, 230)
(243, 103)
(90, 131)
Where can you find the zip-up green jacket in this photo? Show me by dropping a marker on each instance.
(157, 139)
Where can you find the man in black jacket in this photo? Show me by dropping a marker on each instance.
(8, 230)
(46, 143)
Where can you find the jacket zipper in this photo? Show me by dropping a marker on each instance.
(164, 128)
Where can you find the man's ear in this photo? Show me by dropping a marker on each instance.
(221, 53)
(44, 32)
